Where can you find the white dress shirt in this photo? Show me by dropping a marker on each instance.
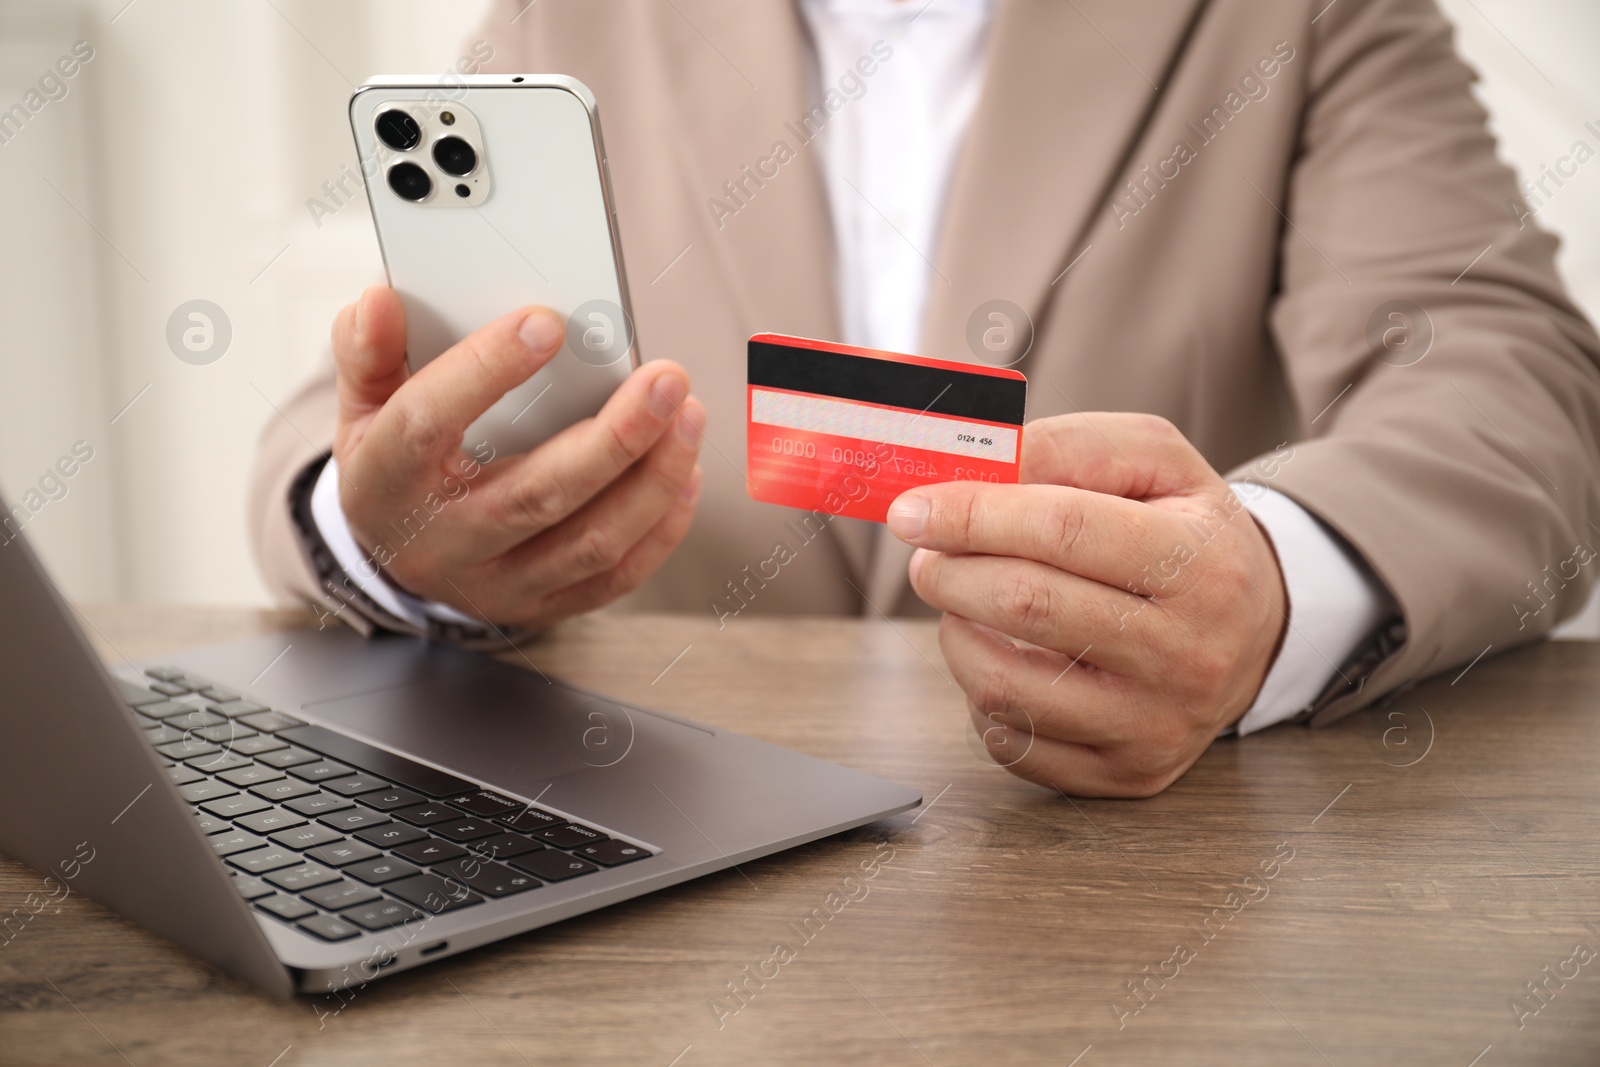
(886, 158)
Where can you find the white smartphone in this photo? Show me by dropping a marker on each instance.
(491, 192)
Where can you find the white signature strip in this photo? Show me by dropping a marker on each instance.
(844, 418)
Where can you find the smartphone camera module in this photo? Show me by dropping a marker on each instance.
(398, 130)
(432, 157)
(455, 156)
(410, 182)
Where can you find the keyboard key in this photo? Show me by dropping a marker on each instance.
(263, 860)
(283, 789)
(570, 836)
(163, 735)
(195, 792)
(212, 824)
(252, 774)
(435, 894)
(611, 853)
(489, 805)
(189, 746)
(427, 814)
(389, 799)
(390, 835)
(465, 829)
(251, 887)
(373, 760)
(490, 879)
(183, 775)
(164, 709)
(221, 696)
(257, 744)
(354, 819)
(238, 841)
(235, 708)
(270, 821)
(171, 689)
(270, 722)
(343, 853)
(503, 846)
(305, 876)
(288, 757)
(285, 907)
(355, 785)
(553, 866)
(380, 870)
(163, 674)
(227, 734)
(430, 850)
(193, 719)
(340, 894)
(308, 836)
(319, 804)
(532, 820)
(218, 762)
(321, 771)
(233, 807)
(328, 928)
(381, 914)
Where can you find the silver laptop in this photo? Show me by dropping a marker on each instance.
(314, 809)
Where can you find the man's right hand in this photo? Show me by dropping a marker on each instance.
(532, 539)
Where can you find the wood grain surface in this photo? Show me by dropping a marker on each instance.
(1396, 882)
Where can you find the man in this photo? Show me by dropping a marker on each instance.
(1265, 239)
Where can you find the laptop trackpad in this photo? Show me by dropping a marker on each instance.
(505, 727)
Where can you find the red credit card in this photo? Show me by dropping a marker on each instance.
(845, 430)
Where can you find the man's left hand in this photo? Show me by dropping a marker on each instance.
(1108, 617)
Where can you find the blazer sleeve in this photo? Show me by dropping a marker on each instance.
(297, 434)
(1448, 384)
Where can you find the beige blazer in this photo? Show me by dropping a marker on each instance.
(1208, 209)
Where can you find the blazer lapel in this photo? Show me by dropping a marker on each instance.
(1069, 86)
(739, 78)
(741, 81)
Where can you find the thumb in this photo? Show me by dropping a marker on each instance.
(1126, 454)
(369, 351)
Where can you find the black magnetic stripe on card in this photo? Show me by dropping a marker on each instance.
(880, 381)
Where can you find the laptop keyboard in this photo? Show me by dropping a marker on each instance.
(335, 836)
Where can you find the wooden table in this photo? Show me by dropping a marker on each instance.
(1397, 879)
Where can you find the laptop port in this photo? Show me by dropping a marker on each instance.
(432, 950)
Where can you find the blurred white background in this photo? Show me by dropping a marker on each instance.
(179, 165)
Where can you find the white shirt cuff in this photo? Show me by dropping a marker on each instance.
(328, 514)
(1336, 604)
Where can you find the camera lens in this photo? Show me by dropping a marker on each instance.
(398, 130)
(410, 182)
(454, 156)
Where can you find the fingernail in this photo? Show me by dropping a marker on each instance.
(361, 318)
(916, 563)
(691, 488)
(667, 394)
(908, 515)
(540, 331)
(691, 424)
